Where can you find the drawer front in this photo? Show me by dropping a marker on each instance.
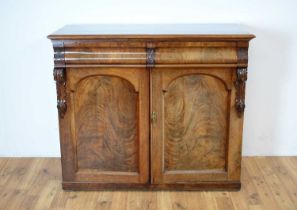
(196, 56)
(105, 56)
(104, 52)
(195, 53)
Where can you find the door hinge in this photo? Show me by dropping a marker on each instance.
(154, 117)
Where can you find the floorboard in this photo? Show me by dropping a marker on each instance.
(35, 183)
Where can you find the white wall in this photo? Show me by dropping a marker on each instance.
(28, 115)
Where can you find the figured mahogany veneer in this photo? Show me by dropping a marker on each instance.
(151, 106)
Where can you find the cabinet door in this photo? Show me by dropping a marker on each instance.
(105, 138)
(196, 134)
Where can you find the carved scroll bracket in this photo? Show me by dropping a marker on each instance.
(60, 77)
(241, 77)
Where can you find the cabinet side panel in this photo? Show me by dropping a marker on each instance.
(106, 124)
(195, 124)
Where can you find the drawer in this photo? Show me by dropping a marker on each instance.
(104, 52)
(105, 55)
(195, 55)
(195, 52)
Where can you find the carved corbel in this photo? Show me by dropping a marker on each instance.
(60, 77)
(241, 77)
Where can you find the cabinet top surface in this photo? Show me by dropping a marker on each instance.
(151, 31)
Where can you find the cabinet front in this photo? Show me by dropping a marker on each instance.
(108, 125)
(191, 136)
(150, 111)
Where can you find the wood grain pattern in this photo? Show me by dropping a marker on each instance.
(188, 53)
(106, 124)
(190, 136)
(34, 183)
(107, 109)
(196, 113)
(94, 55)
(195, 55)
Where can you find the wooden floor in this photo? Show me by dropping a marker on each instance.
(34, 183)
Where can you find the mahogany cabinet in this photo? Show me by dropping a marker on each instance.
(151, 106)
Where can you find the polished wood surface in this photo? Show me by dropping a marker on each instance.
(195, 55)
(109, 108)
(106, 124)
(177, 52)
(190, 80)
(101, 55)
(152, 31)
(195, 109)
(34, 183)
(190, 141)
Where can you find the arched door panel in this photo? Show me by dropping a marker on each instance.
(190, 133)
(109, 124)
